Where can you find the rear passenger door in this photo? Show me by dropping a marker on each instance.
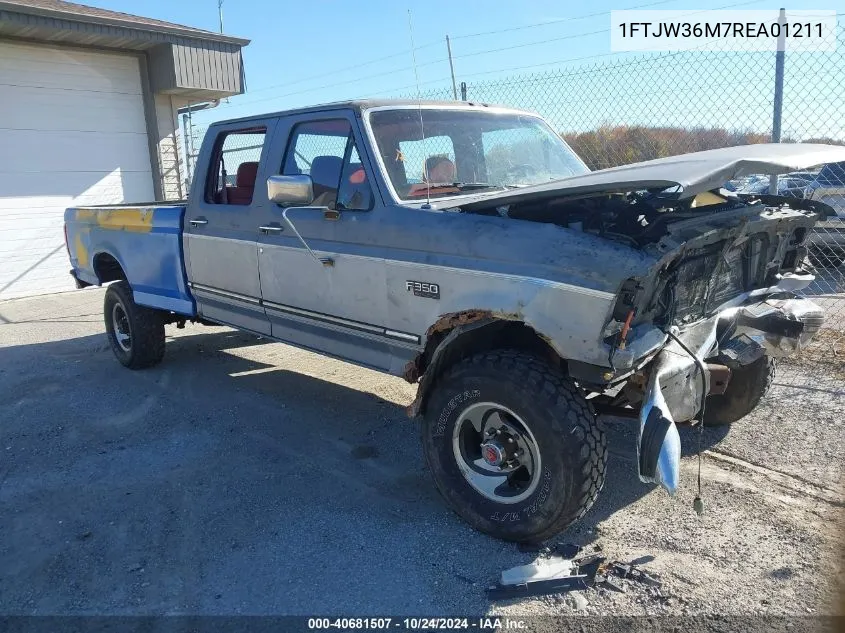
(222, 227)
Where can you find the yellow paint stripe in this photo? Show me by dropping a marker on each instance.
(81, 250)
(118, 219)
(134, 220)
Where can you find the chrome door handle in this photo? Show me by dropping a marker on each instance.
(270, 230)
(199, 222)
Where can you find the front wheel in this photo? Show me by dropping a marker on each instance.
(513, 446)
(135, 333)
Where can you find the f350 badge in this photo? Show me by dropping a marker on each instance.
(423, 289)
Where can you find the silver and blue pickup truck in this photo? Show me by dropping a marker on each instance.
(467, 248)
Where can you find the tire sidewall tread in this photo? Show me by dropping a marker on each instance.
(570, 440)
(146, 328)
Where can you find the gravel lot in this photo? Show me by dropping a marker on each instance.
(243, 476)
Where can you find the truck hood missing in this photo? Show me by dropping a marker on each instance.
(693, 173)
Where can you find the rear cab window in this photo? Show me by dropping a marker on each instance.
(234, 166)
(419, 156)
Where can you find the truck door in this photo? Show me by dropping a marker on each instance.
(221, 226)
(321, 285)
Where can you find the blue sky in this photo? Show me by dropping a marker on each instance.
(324, 50)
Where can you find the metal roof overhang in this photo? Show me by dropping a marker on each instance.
(191, 63)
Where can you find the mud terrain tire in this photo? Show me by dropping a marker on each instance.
(569, 439)
(135, 333)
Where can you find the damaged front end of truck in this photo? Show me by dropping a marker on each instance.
(722, 308)
(720, 297)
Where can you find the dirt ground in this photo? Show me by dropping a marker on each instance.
(243, 476)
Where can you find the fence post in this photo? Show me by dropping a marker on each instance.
(463, 91)
(780, 58)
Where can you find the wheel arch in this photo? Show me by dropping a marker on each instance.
(459, 335)
(108, 268)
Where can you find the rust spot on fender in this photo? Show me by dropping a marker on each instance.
(411, 372)
(451, 320)
(448, 322)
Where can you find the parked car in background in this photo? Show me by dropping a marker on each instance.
(793, 186)
(826, 243)
(746, 183)
(788, 185)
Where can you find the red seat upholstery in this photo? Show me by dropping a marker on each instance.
(244, 187)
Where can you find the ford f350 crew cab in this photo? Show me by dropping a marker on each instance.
(467, 248)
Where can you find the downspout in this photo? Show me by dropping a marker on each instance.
(196, 107)
(188, 144)
(176, 152)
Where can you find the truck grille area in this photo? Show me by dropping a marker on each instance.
(705, 278)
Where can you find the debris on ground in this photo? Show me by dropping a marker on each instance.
(542, 577)
(632, 572)
(564, 567)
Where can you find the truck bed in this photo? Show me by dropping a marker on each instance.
(139, 243)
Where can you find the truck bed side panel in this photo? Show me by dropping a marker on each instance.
(147, 243)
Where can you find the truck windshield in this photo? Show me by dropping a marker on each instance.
(460, 151)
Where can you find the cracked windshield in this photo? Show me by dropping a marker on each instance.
(438, 153)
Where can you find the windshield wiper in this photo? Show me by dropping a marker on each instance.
(468, 186)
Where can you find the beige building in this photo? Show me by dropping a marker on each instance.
(89, 103)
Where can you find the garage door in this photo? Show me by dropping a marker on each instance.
(72, 132)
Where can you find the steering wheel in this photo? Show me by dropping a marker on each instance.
(521, 170)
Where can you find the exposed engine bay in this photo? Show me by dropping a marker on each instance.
(713, 293)
(637, 219)
(641, 218)
(710, 247)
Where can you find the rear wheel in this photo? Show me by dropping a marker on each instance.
(513, 446)
(748, 385)
(135, 333)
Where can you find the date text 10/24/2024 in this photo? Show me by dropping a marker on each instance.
(417, 624)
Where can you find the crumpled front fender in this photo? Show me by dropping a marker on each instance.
(659, 445)
(678, 381)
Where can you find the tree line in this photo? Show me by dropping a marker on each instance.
(612, 145)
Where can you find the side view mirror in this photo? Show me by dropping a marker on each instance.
(290, 190)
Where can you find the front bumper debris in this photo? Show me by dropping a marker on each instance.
(676, 383)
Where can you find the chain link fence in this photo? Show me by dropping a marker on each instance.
(633, 109)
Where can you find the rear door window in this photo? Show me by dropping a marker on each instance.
(235, 166)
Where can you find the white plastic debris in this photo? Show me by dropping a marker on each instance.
(541, 569)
